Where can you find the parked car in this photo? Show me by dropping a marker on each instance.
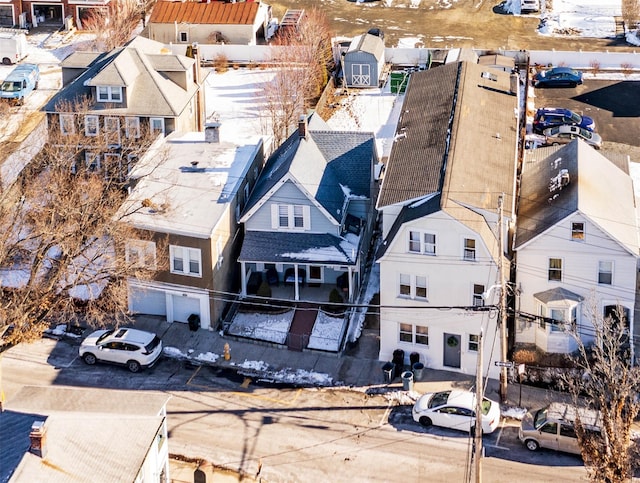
(529, 5)
(455, 409)
(552, 427)
(566, 134)
(558, 77)
(129, 347)
(547, 117)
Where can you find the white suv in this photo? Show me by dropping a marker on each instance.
(130, 347)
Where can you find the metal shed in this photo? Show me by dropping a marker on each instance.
(364, 61)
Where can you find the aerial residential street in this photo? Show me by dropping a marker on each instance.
(293, 434)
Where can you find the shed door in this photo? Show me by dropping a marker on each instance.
(361, 74)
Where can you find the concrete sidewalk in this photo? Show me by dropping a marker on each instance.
(358, 367)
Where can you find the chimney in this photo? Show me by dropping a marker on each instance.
(514, 83)
(302, 127)
(38, 440)
(212, 132)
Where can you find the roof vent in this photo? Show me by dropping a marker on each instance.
(37, 439)
(194, 164)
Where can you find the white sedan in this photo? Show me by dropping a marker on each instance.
(455, 409)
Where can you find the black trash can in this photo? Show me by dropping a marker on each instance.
(413, 358)
(398, 362)
(387, 372)
(194, 322)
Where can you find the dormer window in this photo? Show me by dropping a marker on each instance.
(109, 94)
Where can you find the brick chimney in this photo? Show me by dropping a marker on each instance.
(38, 439)
(302, 127)
(212, 132)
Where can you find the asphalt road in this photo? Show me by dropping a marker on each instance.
(292, 434)
(613, 104)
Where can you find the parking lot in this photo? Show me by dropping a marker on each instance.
(611, 103)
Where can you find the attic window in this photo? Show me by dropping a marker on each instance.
(109, 94)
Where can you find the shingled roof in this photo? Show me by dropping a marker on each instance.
(241, 13)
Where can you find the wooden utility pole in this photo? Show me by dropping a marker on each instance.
(477, 440)
(503, 304)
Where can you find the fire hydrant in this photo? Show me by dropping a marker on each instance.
(227, 352)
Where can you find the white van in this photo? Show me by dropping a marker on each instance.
(13, 46)
(553, 427)
(529, 6)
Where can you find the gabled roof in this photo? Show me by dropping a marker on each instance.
(194, 198)
(328, 165)
(577, 179)
(456, 134)
(241, 13)
(138, 66)
(371, 44)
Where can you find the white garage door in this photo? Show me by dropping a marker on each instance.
(150, 302)
(183, 307)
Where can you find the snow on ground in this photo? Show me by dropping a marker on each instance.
(262, 325)
(326, 332)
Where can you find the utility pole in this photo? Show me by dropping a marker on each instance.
(503, 304)
(477, 440)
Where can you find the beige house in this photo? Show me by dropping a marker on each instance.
(243, 23)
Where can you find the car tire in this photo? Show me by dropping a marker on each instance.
(133, 366)
(425, 421)
(89, 358)
(532, 445)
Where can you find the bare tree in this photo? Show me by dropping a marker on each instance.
(114, 24)
(303, 59)
(63, 237)
(631, 13)
(607, 380)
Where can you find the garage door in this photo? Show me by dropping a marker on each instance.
(150, 302)
(183, 307)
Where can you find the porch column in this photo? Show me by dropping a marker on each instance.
(243, 280)
(350, 276)
(295, 282)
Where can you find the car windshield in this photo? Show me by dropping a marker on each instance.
(540, 418)
(585, 134)
(8, 86)
(439, 399)
(104, 336)
(576, 118)
(152, 345)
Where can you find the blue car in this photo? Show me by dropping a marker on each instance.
(558, 77)
(547, 117)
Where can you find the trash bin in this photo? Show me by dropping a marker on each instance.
(398, 361)
(413, 358)
(407, 381)
(417, 368)
(387, 372)
(194, 322)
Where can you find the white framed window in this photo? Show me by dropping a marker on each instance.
(414, 334)
(478, 298)
(185, 261)
(92, 161)
(141, 253)
(183, 36)
(555, 269)
(111, 162)
(109, 93)
(558, 316)
(91, 125)
(132, 127)
(156, 125)
(420, 242)
(469, 251)
(605, 272)
(473, 343)
(577, 231)
(291, 217)
(316, 274)
(413, 286)
(112, 131)
(67, 124)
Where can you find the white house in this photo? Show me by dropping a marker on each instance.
(576, 243)
(454, 156)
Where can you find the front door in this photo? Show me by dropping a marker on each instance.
(451, 350)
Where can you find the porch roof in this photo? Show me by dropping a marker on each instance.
(287, 247)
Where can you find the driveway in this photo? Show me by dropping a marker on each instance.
(611, 103)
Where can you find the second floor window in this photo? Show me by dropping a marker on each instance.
(156, 125)
(478, 291)
(141, 253)
(67, 124)
(577, 231)
(413, 286)
(132, 127)
(605, 272)
(185, 261)
(91, 126)
(109, 94)
(555, 269)
(420, 242)
(295, 217)
(469, 249)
